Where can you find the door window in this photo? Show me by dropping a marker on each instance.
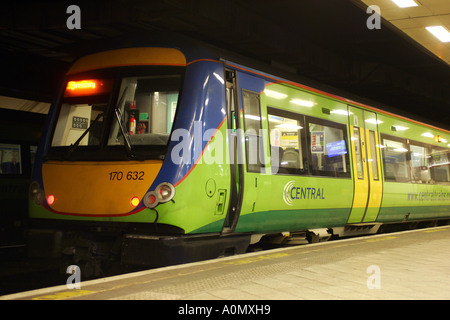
(253, 133)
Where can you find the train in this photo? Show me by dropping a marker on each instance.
(168, 150)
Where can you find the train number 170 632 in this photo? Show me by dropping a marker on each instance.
(130, 175)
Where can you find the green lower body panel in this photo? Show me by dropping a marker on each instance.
(391, 214)
(285, 220)
(293, 220)
(411, 201)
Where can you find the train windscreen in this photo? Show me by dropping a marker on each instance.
(105, 115)
(147, 107)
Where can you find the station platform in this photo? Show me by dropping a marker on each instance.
(404, 265)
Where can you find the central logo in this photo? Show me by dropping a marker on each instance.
(287, 193)
(292, 192)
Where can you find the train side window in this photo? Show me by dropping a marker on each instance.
(286, 132)
(328, 148)
(420, 172)
(440, 166)
(395, 158)
(10, 159)
(253, 134)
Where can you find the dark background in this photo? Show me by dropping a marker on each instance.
(323, 40)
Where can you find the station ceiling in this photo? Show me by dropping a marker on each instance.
(326, 41)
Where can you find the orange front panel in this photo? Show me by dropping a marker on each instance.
(92, 188)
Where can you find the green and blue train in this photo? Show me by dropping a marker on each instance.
(171, 151)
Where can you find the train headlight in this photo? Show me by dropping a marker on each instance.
(36, 193)
(135, 201)
(151, 199)
(51, 199)
(164, 192)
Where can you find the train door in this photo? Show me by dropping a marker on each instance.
(368, 185)
(236, 168)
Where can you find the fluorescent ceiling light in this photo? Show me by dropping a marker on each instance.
(303, 103)
(288, 126)
(374, 121)
(252, 117)
(275, 94)
(342, 112)
(400, 128)
(428, 135)
(439, 32)
(400, 150)
(405, 3)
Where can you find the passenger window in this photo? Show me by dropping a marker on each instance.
(420, 172)
(10, 159)
(286, 135)
(440, 165)
(395, 160)
(253, 133)
(328, 147)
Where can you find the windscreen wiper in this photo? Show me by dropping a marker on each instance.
(77, 143)
(128, 144)
(118, 114)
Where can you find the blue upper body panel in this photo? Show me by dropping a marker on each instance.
(201, 111)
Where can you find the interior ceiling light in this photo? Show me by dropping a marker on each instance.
(406, 3)
(289, 126)
(342, 112)
(428, 135)
(275, 94)
(303, 103)
(374, 121)
(439, 32)
(399, 128)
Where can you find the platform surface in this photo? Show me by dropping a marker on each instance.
(405, 265)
